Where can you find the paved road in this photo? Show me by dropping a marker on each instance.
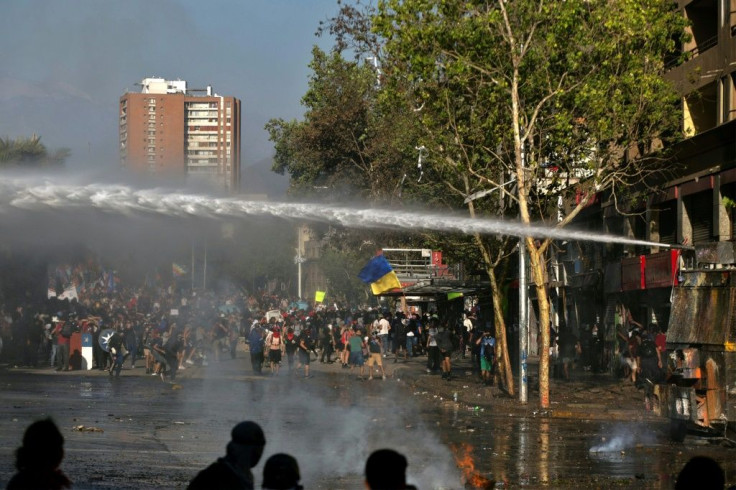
(157, 435)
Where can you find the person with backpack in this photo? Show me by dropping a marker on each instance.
(374, 352)
(487, 345)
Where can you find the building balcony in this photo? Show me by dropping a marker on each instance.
(641, 272)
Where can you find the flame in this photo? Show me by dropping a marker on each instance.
(464, 460)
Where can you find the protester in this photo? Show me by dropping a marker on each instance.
(433, 351)
(115, 346)
(487, 345)
(234, 470)
(281, 472)
(444, 342)
(305, 347)
(63, 332)
(356, 345)
(275, 349)
(701, 472)
(291, 345)
(385, 469)
(255, 341)
(39, 458)
(374, 349)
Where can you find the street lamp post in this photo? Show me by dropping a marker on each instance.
(299, 260)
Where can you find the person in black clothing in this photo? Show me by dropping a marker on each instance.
(233, 472)
(281, 472)
(98, 353)
(172, 347)
(131, 342)
(38, 459)
(649, 366)
(291, 344)
(569, 348)
(306, 345)
(326, 344)
(385, 469)
(444, 342)
(115, 344)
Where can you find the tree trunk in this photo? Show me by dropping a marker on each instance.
(536, 262)
(504, 367)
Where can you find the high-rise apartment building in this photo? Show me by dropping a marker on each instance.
(172, 131)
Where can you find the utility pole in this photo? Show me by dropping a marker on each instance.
(523, 324)
(299, 259)
(204, 270)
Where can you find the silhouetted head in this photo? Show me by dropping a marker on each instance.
(43, 446)
(246, 444)
(281, 472)
(386, 470)
(701, 472)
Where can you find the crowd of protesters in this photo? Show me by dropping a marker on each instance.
(165, 330)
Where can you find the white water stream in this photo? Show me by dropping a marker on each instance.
(38, 197)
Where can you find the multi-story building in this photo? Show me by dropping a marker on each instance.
(695, 205)
(191, 134)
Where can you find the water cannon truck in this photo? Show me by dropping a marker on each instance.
(699, 390)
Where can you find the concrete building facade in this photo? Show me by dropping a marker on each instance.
(695, 206)
(180, 133)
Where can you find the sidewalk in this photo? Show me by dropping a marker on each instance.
(585, 396)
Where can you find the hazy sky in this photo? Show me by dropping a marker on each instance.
(65, 63)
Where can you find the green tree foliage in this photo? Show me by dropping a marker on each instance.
(561, 97)
(29, 152)
(340, 150)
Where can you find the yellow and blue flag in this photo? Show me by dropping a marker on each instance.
(380, 275)
(177, 270)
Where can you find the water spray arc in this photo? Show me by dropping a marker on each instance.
(23, 196)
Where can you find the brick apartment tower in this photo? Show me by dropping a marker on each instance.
(176, 133)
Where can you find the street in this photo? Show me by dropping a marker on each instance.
(138, 432)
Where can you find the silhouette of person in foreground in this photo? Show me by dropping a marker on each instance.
(701, 472)
(386, 470)
(38, 459)
(233, 471)
(281, 472)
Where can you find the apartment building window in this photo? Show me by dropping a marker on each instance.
(700, 213)
(701, 109)
(704, 20)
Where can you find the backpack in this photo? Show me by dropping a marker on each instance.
(67, 330)
(488, 348)
(647, 349)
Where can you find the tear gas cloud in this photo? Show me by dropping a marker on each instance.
(623, 437)
(330, 428)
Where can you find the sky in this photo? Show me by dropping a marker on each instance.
(65, 64)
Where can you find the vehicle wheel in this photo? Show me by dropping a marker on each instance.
(678, 430)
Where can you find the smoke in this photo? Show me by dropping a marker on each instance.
(623, 437)
(330, 427)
